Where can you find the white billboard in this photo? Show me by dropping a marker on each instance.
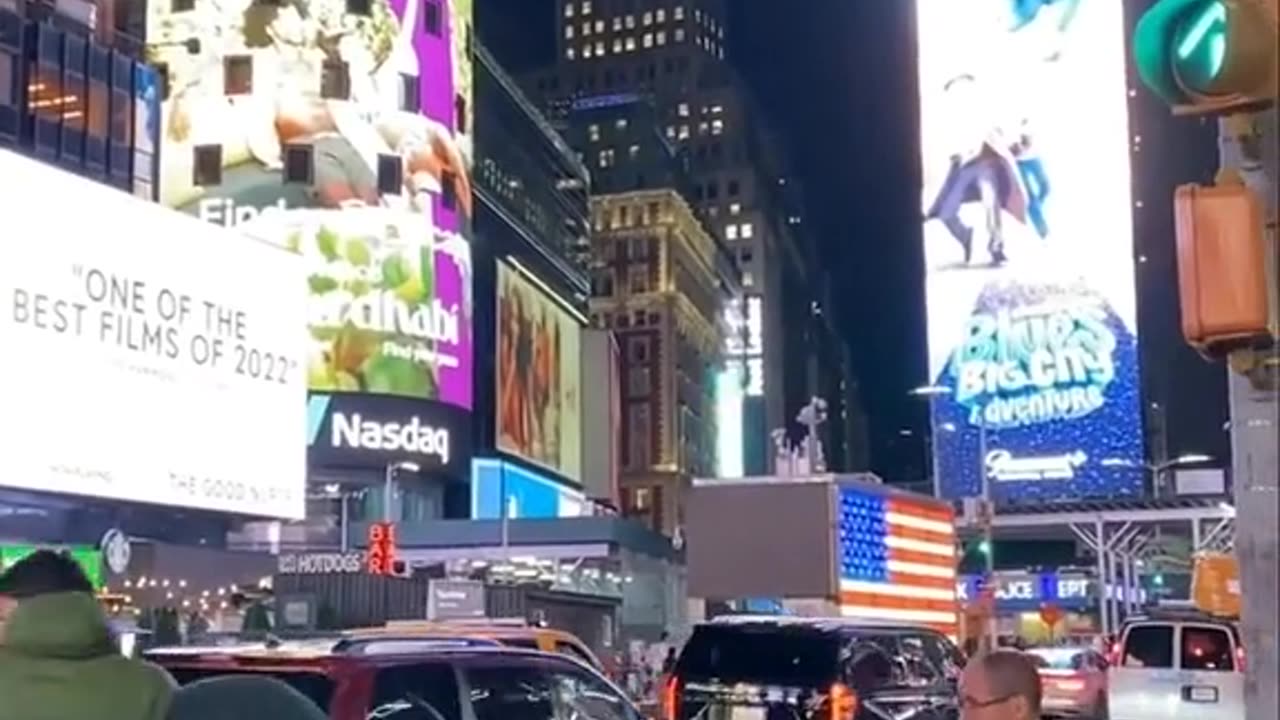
(147, 356)
(1027, 217)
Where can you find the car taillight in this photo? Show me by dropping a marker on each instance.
(844, 702)
(1240, 658)
(671, 698)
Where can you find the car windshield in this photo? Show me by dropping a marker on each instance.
(795, 657)
(317, 687)
(1055, 658)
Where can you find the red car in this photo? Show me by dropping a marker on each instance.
(415, 678)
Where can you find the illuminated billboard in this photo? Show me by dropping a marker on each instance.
(340, 130)
(1033, 346)
(539, 400)
(178, 366)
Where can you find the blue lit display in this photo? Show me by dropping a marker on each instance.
(530, 495)
(1027, 221)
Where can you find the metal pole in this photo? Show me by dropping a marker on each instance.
(988, 513)
(1196, 541)
(505, 526)
(344, 523)
(388, 493)
(1101, 549)
(1250, 143)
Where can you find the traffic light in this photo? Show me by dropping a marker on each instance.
(984, 547)
(1209, 56)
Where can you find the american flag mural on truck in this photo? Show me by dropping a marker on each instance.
(896, 558)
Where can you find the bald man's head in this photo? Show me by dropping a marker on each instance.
(1002, 684)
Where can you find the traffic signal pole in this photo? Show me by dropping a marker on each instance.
(1249, 145)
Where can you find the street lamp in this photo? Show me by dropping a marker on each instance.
(389, 486)
(1159, 469)
(988, 512)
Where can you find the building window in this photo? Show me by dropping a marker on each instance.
(599, 26)
(717, 126)
(617, 23)
(586, 50)
(713, 191)
(702, 127)
(593, 132)
(631, 22)
(390, 175)
(432, 17)
(748, 231)
(639, 432)
(586, 7)
(207, 165)
(568, 31)
(631, 43)
(746, 256)
(671, 132)
(683, 109)
(661, 37)
(568, 9)
(633, 152)
(606, 158)
(660, 15)
(641, 499)
(648, 40)
(569, 53)
(638, 382)
(748, 279)
(678, 35)
(684, 132)
(335, 80)
(734, 208)
(731, 232)
(299, 164)
(678, 13)
(734, 188)
(237, 74)
(586, 28)
(638, 280)
(410, 98)
(648, 18)
(638, 349)
(599, 48)
(617, 48)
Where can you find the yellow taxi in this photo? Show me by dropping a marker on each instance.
(511, 633)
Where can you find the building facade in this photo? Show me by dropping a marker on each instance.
(661, 283)
(76, 93)
(673, 55)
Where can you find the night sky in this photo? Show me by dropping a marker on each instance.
(837, 80)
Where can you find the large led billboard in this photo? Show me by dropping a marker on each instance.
(148, 357)
(539, 400)
(342, 131)
(1028, 245)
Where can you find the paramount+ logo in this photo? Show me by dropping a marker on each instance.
(356, 430)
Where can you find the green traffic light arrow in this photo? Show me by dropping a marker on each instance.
(1153, 40)
(1201, 47)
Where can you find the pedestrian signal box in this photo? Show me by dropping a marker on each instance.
(1222, 267)
(1209, 56)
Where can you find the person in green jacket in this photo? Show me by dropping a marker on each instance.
(58, 659)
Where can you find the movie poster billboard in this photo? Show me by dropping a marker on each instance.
(539, 398)
(1033, 346)
(342, 130)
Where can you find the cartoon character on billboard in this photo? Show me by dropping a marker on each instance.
(982, 169)
(1028, 13)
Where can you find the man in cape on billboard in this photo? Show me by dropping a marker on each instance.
(982, 169)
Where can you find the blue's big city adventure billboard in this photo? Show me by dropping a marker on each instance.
(1028, 245)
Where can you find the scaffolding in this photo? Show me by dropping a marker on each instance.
(1122, 535)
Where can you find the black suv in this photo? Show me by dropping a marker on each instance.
(415, 678)
(819, 669)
